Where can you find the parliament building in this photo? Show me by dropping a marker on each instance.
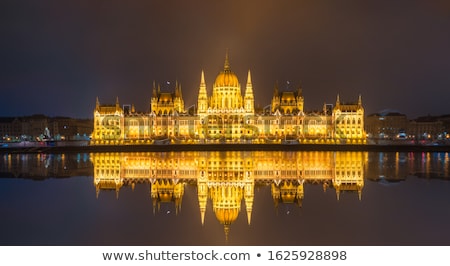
(228, 115)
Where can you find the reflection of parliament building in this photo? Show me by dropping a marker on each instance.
(228, 115)
(225, 180)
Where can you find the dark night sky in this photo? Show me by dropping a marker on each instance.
(56, 57)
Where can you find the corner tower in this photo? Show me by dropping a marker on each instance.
(202, 101)
(249, 99)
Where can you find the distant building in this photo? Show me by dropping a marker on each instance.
(39, 127)
(390, 125)
(427, 128)
(10, 128)
(65, 128)
(228, 115)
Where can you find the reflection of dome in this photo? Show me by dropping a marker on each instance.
(227, 216)
(226, 78)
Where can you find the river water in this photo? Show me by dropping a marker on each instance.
(225, 198)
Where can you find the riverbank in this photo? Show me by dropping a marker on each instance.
(226, 147)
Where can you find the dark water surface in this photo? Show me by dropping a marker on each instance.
(225, 198)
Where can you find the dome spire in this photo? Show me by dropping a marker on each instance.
(227, 62)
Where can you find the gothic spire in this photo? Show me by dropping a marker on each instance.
(154, 94)
(97, 104)
(177, 91)
(202, 80)
(275, 90)
(299, 91)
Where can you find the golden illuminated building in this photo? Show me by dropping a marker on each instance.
(349, 120)
(228, 115)
(287, 102)
(165, 103)
(226, 180)
(107, 173)
(108, 122)
(349, 172)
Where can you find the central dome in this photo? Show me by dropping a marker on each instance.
(226, 78)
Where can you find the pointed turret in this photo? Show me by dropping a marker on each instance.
(202, 193)
(338, 103)
(300, 194)
(177, 91)
(276, 98)
(249, 98)
(154, 203)
(249, 87)
(249, 78)
(299, 91)
(180, 91)
(117, 103)
(154, 99)
(202, 80)
(97, 104)
(154, 93)
(300, 100)
(249, 215)
(202, 102)
(248, 198)
(324, 186)
(276, 91)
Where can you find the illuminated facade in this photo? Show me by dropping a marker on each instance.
(225, 180)
(228, 116)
